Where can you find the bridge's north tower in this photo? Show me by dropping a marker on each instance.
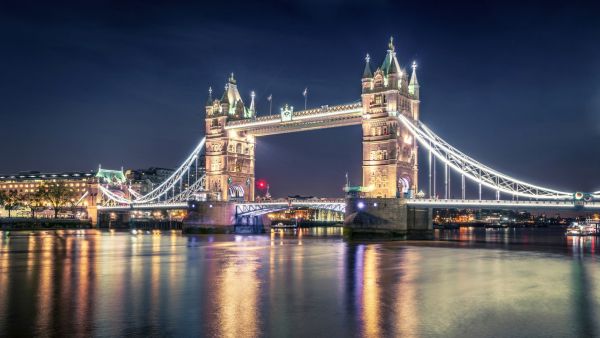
(390, 166)
(229, 154)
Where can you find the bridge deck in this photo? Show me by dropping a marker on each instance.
(340, 205)
(318, 118)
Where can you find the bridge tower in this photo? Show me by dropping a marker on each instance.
(390, 166)
(229, 154)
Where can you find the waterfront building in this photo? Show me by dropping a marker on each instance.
(83, 184)
(31, 181)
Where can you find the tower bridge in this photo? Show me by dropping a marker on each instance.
(388, 112)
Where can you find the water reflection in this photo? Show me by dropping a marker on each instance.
(299, 283)
(369, 292)
(236, 300)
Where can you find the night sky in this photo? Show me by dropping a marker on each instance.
(515, 85)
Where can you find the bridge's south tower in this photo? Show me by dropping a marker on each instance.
(390, 166)
(229, 154)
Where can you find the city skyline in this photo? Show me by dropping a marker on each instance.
(131, 92)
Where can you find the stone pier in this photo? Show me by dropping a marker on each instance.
(386, 218)
(218, 217)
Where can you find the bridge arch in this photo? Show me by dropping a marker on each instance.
(236, 192)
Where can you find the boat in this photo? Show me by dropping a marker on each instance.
(587, 228)
(284, 226)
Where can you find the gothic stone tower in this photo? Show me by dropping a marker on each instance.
(229, 154)
(390, 166)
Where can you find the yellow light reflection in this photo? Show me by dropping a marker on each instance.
(407, 311)
(371, 293)
(44, 305)
(237, 295)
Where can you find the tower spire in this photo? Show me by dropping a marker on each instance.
(252, 105)
(225, 97)
(413, 87)
(367, 72)
(391, 44)
(210, 99)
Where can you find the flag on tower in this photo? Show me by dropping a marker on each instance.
(305, 93)
(270, 99)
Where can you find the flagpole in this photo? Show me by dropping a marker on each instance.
(305, 93)
(270, 99)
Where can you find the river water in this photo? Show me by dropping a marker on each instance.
(469, 283)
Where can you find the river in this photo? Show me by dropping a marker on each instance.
(312, 283)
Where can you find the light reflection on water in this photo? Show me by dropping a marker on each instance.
(310, 282)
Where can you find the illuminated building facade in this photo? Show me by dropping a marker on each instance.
(301, 215)
(229, 154)
(84, 185)
(389, 151)
(31, 181)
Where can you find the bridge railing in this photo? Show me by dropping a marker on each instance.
(491, 203)
(299, 115)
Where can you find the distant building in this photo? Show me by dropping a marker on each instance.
(83, 183)
(143, 181)
(30, 181)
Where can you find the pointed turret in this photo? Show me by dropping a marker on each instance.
(209, 101)
(233, 95)
(367, 74)
(394, 66)
(252, 109)
(413, 87)
(225, 97)
(390, 61)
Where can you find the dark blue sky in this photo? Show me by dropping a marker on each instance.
(515, 85)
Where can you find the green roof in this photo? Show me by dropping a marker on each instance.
(111, 176)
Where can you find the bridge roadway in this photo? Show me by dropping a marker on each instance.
(310, 119)
(339, 205)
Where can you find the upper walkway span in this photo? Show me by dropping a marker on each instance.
(289, 121)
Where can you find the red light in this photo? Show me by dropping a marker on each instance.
(261, 184)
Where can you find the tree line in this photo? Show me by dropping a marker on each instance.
(52, 196)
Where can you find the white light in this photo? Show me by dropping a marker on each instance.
(360, 205)
(427, 138)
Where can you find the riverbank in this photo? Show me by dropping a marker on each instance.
(14, 224)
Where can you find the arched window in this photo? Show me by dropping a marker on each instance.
(238, 148)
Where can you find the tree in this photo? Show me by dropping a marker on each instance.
(35, 201)
(2, 198)
(12, 201)
(58, 195)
